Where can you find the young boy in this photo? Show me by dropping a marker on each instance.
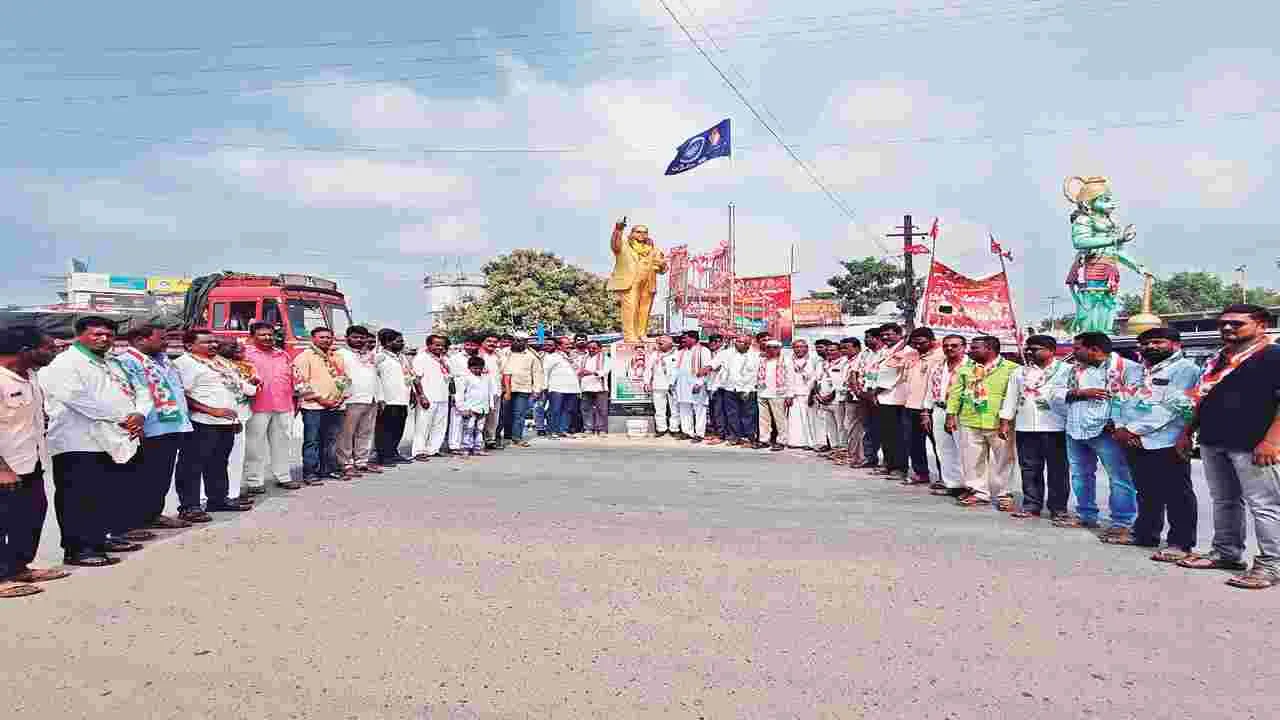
(475, 398)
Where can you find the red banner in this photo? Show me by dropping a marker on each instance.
(966, 306)
(764, 304)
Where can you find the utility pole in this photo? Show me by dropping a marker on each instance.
(1244, 293)
(909, 236)
(1053, 317)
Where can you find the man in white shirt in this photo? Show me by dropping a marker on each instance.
(214, 390)
(593, 377)
(715, 389)
(400, 392)
(891, 399)
(740, 366)
(493, 361)
(661, 369)
(864, 384)
(946, 445)
(773, 388)
(1039, 429)
(24, 455)
(431, 426)
(355, 440)
(839, 364)
(826, 434)
(457, 362)
(800, 418)
(94, 432)
(563, 388)
(693, 365)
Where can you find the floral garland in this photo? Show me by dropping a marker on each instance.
(1113, 370)
(227, 372)
(163, 397)
(1035, 377)
(779, 374)
(975, 391)
(1219, 367)
(333, 364)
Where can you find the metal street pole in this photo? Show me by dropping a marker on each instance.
(908, 236)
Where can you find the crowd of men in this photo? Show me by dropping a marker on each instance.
(125, 424)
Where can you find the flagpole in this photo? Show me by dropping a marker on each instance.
(733, 273)
(1013, 313)
(933, 252)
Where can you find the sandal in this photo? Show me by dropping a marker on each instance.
(18, 590)
(90, 559)
(1212, 561)
(138, 535)
(1004, 503)
(1068, 521)
(1171, 555)
(971, 501)
(1023, 514)
(119, 546)
(1256, 579)
(1117, 536)
(195, 516)
(944, 491)
(31, 575)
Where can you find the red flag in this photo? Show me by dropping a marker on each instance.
(995, 246)
(933, 231)
(1009, 255)
(917, 250)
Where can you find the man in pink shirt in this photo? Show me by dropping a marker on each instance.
(267, 435)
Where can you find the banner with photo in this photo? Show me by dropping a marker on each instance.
(628, 369)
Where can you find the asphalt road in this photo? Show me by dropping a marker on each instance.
(590, 579)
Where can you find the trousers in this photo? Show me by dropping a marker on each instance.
(595, 411)
(664, 407)
(988, 461)
(562, 407)
(430, 428)
(267, 447)
(83, 483)
(472, 432)
(355, 439)
(514, 413)
(389, 432)
(155, 476)
(800, 431)
(773, 420)
(1083, 457)
(870, 434)
(205, 454)
(948, 449)
(715, 413)
(1163, 481)
(492, 419)
(693, 419)
(1041, 456)
(23, 507)
(889, 419)
(635, 303)
(1236, 484)
(845, 412)
(319, 441)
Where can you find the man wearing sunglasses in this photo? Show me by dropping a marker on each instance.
(1237, 411)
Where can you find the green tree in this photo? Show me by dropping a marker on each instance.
(1194, 292)
(529, 287)
(866, 283)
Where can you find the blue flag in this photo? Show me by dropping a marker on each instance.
(700, 148)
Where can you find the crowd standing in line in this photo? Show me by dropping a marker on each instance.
(117, 427)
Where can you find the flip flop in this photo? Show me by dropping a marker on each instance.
(90, 560)
(32, 575)
(1255, 579)
(19, 591)
(1169, 555)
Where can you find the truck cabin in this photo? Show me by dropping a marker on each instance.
(293, 304)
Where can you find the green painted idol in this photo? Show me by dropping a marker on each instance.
(1094, 278)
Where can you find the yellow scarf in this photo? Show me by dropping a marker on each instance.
(640, 249)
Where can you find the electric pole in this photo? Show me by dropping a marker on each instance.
(909, 236)
(1053, 318)
(1244, 293)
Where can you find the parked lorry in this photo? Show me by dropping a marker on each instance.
(223, 303)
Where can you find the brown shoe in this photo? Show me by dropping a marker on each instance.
(33, 575)
(1117, 536)
(164, 522)
(370, 469)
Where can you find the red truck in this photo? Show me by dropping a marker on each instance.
(229, 303)
(225, 303)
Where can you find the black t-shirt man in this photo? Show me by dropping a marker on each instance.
(1239, 410)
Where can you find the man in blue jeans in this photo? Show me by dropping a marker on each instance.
(1092, 400)
(522, 379)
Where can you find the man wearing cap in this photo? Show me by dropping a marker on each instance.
(1148, 428)
(804, 373)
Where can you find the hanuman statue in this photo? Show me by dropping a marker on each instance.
(1094, 277)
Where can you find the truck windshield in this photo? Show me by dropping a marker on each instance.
(341, 320)
(305, 315)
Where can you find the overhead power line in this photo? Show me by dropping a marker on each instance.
(613, 61)
(609, 146)
(21, 52)
(813, 176)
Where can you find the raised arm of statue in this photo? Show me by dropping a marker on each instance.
(616, 241)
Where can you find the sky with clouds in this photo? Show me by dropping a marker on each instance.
(380, 141)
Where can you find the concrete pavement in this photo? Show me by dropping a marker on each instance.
(616, 579)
